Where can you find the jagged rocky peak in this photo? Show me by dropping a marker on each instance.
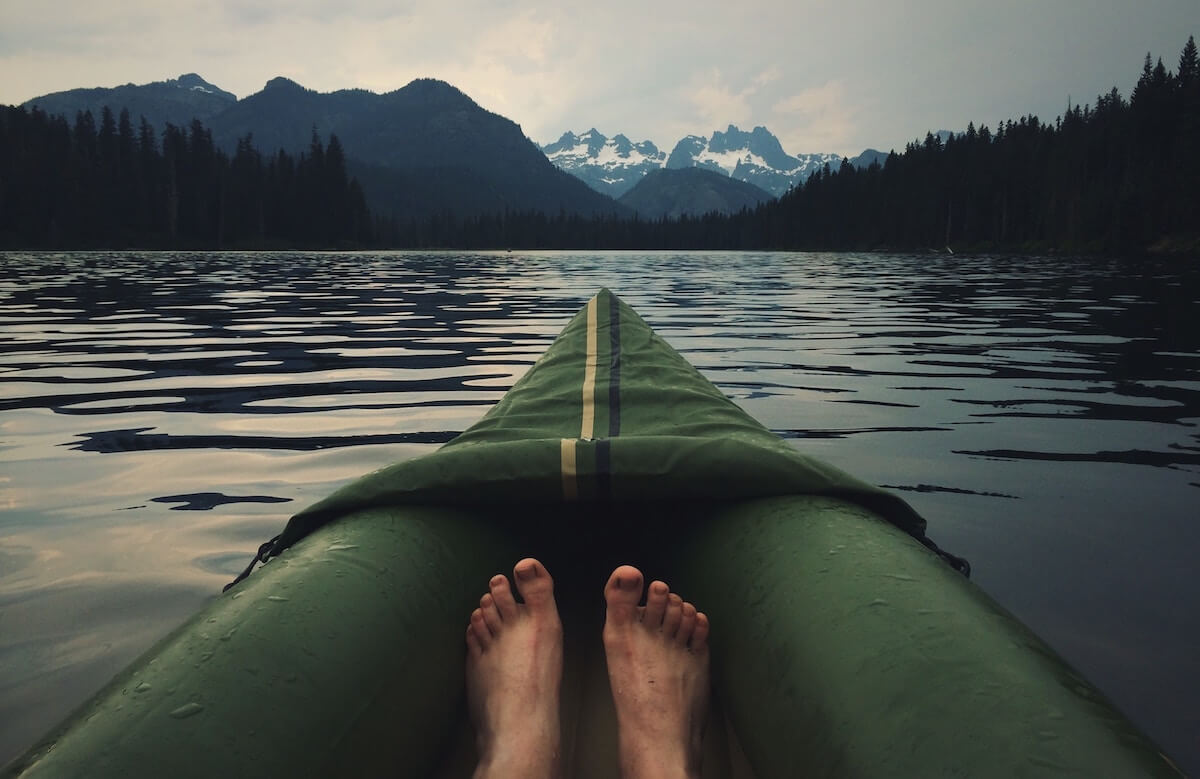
(609, 165)
(614, 165)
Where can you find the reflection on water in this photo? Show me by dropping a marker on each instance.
(162, 415)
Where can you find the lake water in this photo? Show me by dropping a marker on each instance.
(161, 415)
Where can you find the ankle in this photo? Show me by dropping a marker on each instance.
(658, 761)
(519, 759)
(531, 750)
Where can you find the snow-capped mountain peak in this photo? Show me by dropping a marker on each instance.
(756, 157)
(614, 165)
(610, 165)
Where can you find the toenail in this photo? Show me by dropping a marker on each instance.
(497, 580)
(527, 573)
(659, 588)
(624, 583)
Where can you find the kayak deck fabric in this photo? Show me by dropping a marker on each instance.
(610, 413)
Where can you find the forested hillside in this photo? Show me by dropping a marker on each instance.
(1117, 176)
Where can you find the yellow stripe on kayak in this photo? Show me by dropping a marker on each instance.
(569, 471)
(589, 374)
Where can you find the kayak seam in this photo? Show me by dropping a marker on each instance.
(614, 367)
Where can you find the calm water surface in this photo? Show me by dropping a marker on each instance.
(161, 415)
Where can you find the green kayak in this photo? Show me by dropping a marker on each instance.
(844, 642)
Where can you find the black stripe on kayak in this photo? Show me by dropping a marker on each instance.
(603, 469)
(614, 367)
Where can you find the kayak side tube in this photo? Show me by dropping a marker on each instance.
(342, 657)
(843, 648)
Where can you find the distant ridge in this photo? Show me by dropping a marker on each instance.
(176, 101)
(694, 191)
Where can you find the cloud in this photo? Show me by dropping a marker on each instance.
(817, 119)
(715, 103)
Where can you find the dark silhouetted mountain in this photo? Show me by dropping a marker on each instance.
(423, 149)
(869, 157)
(695, 191)
(176, 101)
(420, 150)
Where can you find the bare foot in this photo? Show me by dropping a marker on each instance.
(658, 666)
(514, 674)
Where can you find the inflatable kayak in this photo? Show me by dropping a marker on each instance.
(844, 642)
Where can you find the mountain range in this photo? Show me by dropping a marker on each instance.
(427, 149)
(421, 150)
(614, 165)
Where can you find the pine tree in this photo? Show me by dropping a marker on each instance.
(1189, 68)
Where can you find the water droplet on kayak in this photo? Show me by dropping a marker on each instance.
(229, 635)
(142, 687)
(276, 598)
(879, 602)
(341, 547)
(237, 595)
(1047, 735)
(187, 710)
(204, 658)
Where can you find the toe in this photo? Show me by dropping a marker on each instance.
(622, 593)
(535, 585)
(480, 629)
(502, 596)
(656, 604)
(674, 615)
(699, 642)
(491, 615)
(474, 648)
(687, 625)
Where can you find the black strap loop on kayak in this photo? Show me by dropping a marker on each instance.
(959, 564)
(264, 552)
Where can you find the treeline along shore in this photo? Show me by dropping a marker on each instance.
(1119, 176)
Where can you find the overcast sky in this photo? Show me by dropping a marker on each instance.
(824, 76)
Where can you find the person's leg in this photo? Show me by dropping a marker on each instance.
(658, 667)
(514, 674)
